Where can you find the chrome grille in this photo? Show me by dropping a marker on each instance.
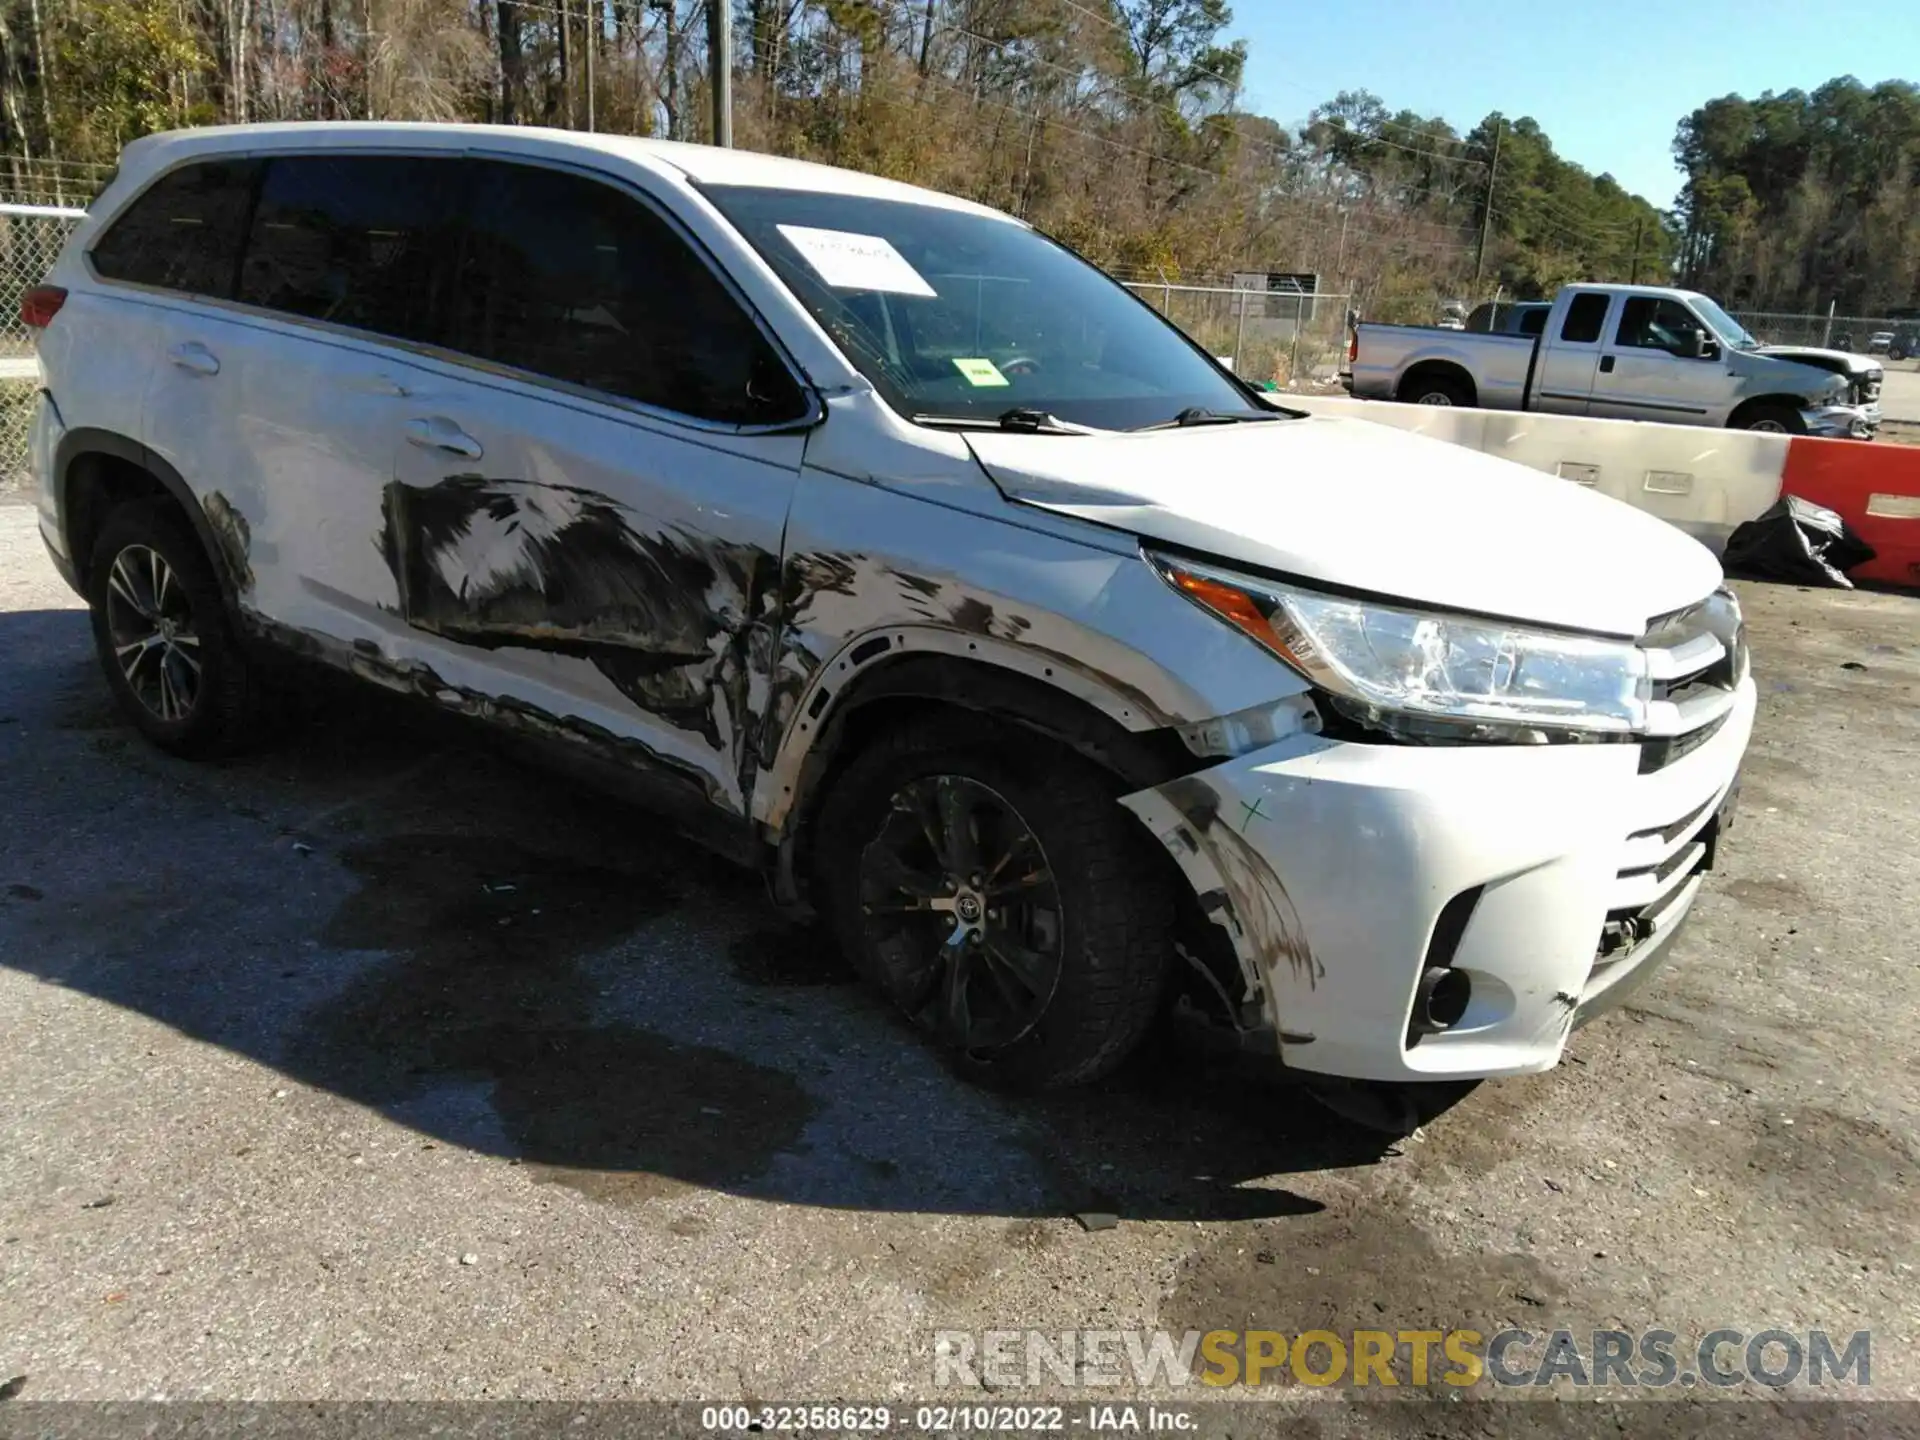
(1696, 659)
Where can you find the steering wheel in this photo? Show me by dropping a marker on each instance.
(1020, 365)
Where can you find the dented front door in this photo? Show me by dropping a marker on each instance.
(586, 514)
(601, 574)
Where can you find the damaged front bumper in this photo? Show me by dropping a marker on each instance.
(1842, 422)
(1553, 876)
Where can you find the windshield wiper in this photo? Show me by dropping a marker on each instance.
(1201, 415)
(1020, 418)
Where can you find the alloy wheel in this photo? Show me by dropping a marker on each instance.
(963, 912)
(150, 622)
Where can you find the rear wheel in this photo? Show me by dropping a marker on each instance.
(1772, 420)
(1436, 390)
(160, 627)
(991, 887)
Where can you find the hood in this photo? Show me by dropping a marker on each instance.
(1788, 373)
(1351, 504)
(1814, 355)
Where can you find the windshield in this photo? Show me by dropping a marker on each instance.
(1728, 328)
(967, 316)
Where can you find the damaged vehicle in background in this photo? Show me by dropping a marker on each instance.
(881, 543)
(1863, 373)
(1619, 352)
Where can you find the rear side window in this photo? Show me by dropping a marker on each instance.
(355, 240)
(1585, 317)
(569, 278)
(184, 232)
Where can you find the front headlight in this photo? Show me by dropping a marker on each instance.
(1430, 675)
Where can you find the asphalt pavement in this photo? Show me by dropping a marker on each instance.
(376, 1065)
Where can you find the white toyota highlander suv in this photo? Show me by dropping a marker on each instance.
(882, 543)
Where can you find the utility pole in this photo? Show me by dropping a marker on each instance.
(1633, 275)
(593, 44)
(1486, 213)
(720, 59)
(673, 70)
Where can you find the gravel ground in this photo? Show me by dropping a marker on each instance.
(377, 1066)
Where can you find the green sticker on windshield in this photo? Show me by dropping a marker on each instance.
(981, 372)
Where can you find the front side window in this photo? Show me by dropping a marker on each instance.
(184, 232)
(353, 240)
(569, 278)
(953, 314)
(1647, 323)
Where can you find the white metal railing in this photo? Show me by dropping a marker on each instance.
(31, 238)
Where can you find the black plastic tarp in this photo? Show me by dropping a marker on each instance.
(1798, 542)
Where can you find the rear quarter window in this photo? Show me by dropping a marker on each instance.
(183, 232)
(1585, 317)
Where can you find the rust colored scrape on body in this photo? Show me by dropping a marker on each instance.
(1255, 898)
(233, 537)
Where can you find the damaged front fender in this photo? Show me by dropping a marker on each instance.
(1237, 890)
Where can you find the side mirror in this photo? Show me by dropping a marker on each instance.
(1694, 345)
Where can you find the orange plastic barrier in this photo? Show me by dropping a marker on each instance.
(1876, 489)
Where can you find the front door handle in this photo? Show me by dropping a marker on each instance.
(1606, 364)
(437, 432)
(195, 358)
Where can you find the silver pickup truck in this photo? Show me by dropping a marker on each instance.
(1622, 352)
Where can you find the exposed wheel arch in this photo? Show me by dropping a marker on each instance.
(1777, 413)
(95, 471)
(1437, 377)
(912, 685)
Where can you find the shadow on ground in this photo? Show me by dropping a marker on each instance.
(383, 906)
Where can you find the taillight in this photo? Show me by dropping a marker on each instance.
(40, 304)
(1353, 346)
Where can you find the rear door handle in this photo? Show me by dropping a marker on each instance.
(437, 432)
(1606, 364)
(195, 358)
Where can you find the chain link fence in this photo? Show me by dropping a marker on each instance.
(31, 237)
(1896, 339)
(1296, 342)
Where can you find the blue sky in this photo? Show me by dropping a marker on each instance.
(1607, 79)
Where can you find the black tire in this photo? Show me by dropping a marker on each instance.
(1436, 390)
(1115, 917)
(225, 696)
(1771, 418)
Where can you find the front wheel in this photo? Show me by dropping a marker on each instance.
(992, 888)
(1773, 420)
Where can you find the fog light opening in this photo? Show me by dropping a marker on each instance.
(1441, 1001)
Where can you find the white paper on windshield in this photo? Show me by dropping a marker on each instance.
(848, 261)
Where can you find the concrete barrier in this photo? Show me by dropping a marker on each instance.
(1876, 489)
(1704, 481)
